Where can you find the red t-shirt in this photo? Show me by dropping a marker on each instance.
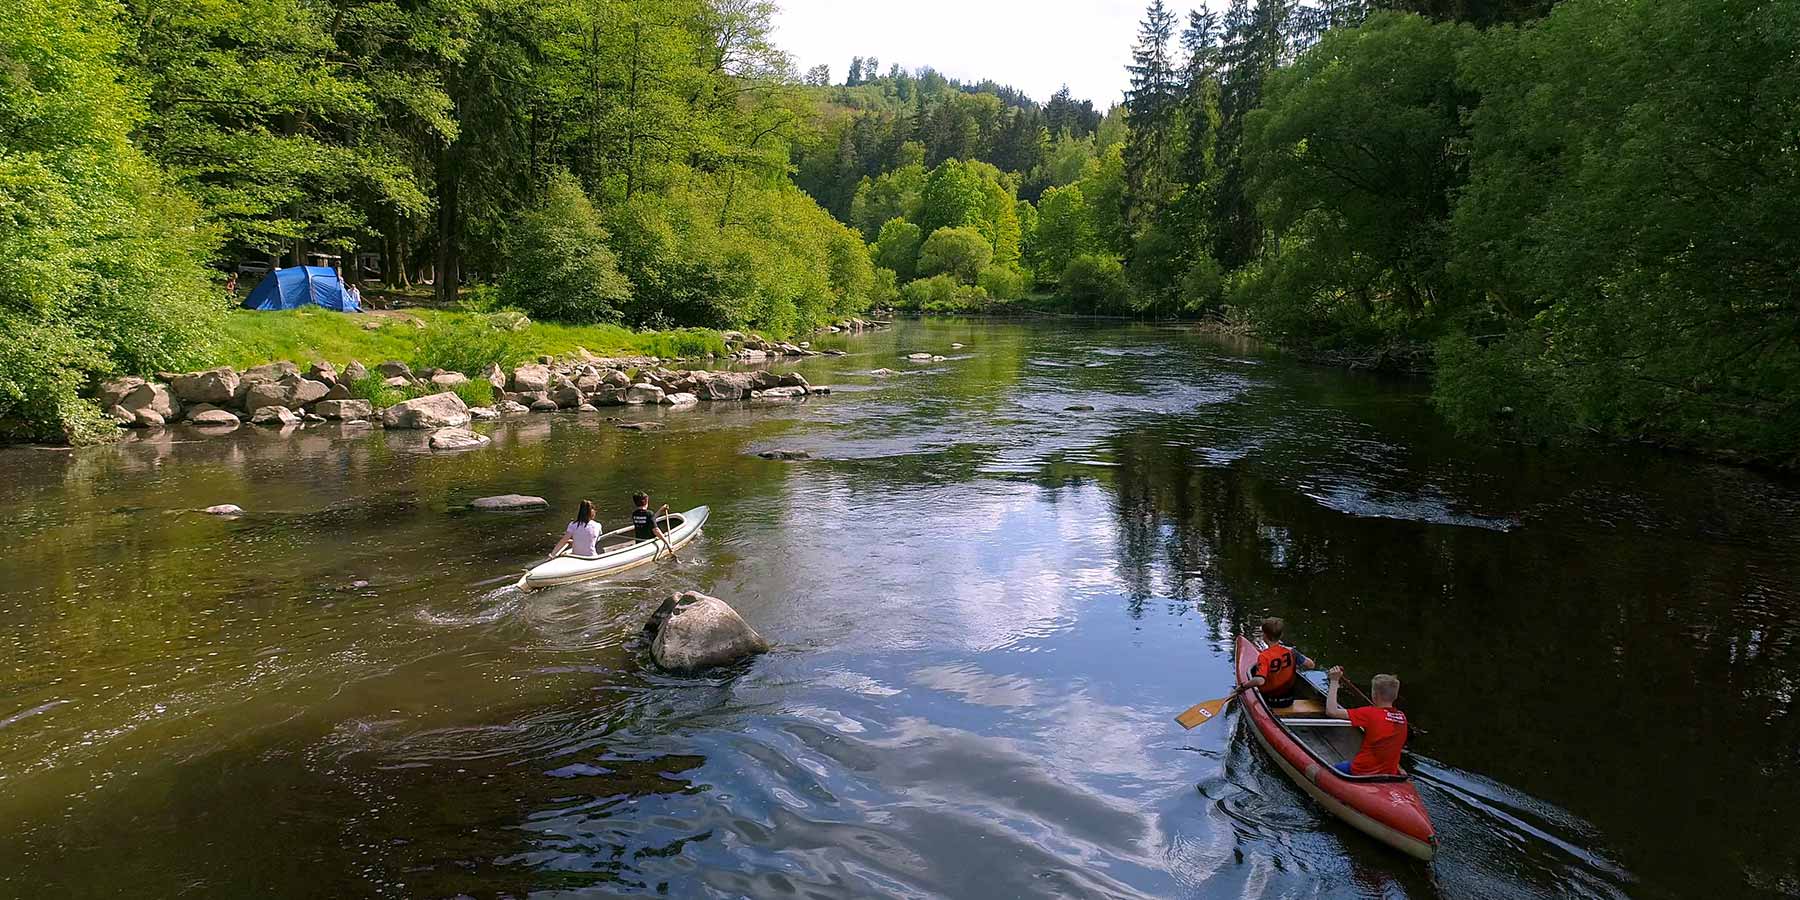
(1384, 733)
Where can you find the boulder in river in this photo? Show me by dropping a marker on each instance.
(274, 417)
(782, 453)
(445, 410)
(344, 409)
(509, 407)
(216, 386)
(641, 426)
(501, 502)
(224, 509)
(147, 418)
(680, 399)
(456, 439)
(644, 393)
(780, 393)
(531, 379)
(919, 357)
(114, 392)
(695, 632)
(883, 373)
(544, 404)
(152, 396)
(213, 418)
(1079, 407)
(483, 413)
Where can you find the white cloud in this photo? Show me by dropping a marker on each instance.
(1033, 46)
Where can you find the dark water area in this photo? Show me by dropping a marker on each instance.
(986, 610)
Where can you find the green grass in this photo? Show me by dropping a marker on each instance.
(463, 341)
(474, 392)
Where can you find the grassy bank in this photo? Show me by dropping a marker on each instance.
(461, 341)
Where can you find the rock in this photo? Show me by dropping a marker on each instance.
(884, 373)
(125, 416)
(307, 391)
(587, 407)
(324, 373)
(544, 404)
(312, 417)
(779, 393)
(274, 416)
(1079, 407)
(355, 372)
(444, 410)
(114, 392)
(339, 391)
(483, 413)
(723, 386)
(785, 454)
(154, 397)
(216, 386)
(397, 382)
(147, 418)
(680, 399)
(616, 378)
(527, 379)
(836, 353)
(566, 394)
(607, 395)
(394, 368)
(641, 426)
(922, 357)
(752, 355)
(818, 389)
(695, 632)
(344, 409)
(508, 502)
(792, 379)
(214, 418)
(937, 359)
(270, 371)
(291, 391)
(509, 407)
(763, 380)
(495, 376)
(956, 346)
(456, 439)
(644, 393)
(224, 509)
(449, 379)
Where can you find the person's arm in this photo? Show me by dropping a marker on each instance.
(1332, 709)
(1255, 680)
(658, 531)
(1304, 660)
(561, 542)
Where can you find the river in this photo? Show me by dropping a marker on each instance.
(986, 608)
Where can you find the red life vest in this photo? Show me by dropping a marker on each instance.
(1276, 666)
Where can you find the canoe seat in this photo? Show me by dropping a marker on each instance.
(1302, 708)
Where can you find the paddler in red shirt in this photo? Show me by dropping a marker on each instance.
(1273, 672)
(1383, 726)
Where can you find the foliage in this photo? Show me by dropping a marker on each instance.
(560, 266)
(942, 294)
(959, 252)
(469, 345)
(1002, 282)
(1093, 282)
(897, 248)
(101, 256)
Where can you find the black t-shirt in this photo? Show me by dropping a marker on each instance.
(643, 524)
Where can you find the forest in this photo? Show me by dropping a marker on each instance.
(1584, 212)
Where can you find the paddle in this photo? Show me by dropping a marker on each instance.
(665, 538)
(1202, 713)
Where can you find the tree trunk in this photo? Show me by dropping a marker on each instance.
(448, 249)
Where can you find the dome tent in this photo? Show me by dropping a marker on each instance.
(302, 286)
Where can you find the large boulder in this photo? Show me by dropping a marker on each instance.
(216, 386)
(644, 393)
(495, 376)
(339, 391)
(114, 392)
(154, 397)
(291, 391)
(607, 395)
(531, 379)
(355, 372)
(695, 632)
(213, 418)
(274, 417)
(679, 399)
(780, 393)
(344, 409)
(267, 373)
(617, 379)
(444, 410)
(509, 502)
(456, 439)
(394, 368)
(147, 418)
(544, 404)
(324, 373)
(792, 379)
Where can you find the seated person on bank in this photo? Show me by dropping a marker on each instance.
(1383, 726)
(1273, 671)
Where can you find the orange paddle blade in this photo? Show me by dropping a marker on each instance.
(1202, 713)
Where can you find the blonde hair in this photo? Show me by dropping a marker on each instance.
(1271, 628)
(1384, 687)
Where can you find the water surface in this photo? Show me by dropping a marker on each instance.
(986, 609)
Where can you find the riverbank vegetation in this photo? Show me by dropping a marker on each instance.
(1585, 211)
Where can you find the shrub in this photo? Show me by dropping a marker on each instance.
(897, 248)
(942, 294)
(1093, 282)
(469, 345)
(474, 392)
(961, 252)
(375, 390)
(561, 268)
(1002, 283)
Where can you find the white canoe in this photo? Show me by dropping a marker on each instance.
(618, 552)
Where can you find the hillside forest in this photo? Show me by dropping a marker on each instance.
(1583, 213)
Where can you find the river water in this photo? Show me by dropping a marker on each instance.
(986, 608)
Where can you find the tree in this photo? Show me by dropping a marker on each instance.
(856, 72)
(1150, 106)
(1094, 282)
(898, 248)
(562, 269)
(959, 252)
(1065, 230)
(819, 75)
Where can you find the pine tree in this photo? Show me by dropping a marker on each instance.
(1150, 107)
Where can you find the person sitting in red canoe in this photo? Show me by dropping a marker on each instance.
(1383, 726)
(1273, 671)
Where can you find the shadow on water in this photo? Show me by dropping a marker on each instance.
(989, 590)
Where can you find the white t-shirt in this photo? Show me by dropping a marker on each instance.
(584, 536)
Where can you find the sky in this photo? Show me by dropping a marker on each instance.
(1033, 45)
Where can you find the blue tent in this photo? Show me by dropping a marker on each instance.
(299, 286)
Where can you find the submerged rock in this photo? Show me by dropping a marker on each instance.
(224, 509)
(509, 501)
(1079, 407)
(695, 632)
(456, 439)
(782, 453)
(641, 426)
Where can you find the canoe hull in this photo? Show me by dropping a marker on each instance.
(569, 569)
(1389, 811)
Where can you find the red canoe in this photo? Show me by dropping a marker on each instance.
(1306, 744)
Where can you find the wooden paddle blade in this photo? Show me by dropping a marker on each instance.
(1202, 713)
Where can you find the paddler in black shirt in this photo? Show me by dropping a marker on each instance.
(643, 522)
